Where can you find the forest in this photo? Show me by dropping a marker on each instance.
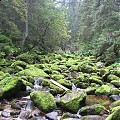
(59, 59)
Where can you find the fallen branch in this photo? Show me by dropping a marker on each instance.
(59, 85)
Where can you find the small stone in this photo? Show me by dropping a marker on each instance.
(114, 97)
(52, 115)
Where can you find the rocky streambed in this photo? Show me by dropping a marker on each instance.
(58, 86)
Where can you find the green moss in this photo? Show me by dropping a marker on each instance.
(116, 72)
(57, 77)
(53, 88)
(65, 83)
(74, 68)
(65, 115)
(103, 90)
(34, 72)
(92, 110)
(73, 101)
(19, 63)
(115, 109)
(114, 116)
(115, 91)
(95, 79)
(116, 83)
(115, 104)
(112, 77)
(10, 86)
(43, 100)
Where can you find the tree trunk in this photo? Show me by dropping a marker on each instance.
(26, 24)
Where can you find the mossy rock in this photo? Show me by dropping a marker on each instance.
(115, 91)
(74, 68)
(116, 72)
(95, 79)
(116, 83)
(43, 100)
(71, 62)
(34, 72)
(82, 85)
(115, 104)
(53, 88)
(65, 83)
(96, 109)
(26, 57)
(114, 116)
(57, 77)
(103, 90)
(115, 109)
(19, 63)
(86, 68)
(112, 77)
(90, 90)
(10, 86)
(55, 67)
(72, 101)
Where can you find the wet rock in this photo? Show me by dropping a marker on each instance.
(114, 97)
(73, 101)
(103, 90)
(52, 115)
(43, 100)
(25, 115)
(93, 110)
(100, 65)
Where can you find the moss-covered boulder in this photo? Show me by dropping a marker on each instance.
(116, 72)
(96, 109)
(86, 68)
(53, 88)
(65, 83)
(115, 91)
(115, 104)
(112, 77)
(19, 63)
(43, 100)
(103, 90)
(10, 86)
(95, 79)
(114, 116)
(72, 101)
(116, 83)
(57, 77)
(34, 72)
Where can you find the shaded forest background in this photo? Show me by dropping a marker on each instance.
(84, 27)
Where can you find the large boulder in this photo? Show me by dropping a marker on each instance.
(72, 101)
(96, 109)
(10, 86)
(43, 100)
(103, 90)
(33, 71)
(114, 116)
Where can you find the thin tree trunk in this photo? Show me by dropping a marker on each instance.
(26, 24)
